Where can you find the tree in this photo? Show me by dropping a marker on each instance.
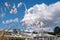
(15, 31)
(57, 30)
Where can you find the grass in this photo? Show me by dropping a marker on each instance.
(5, 38)
(17, 38)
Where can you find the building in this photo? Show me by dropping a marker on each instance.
(32, 36)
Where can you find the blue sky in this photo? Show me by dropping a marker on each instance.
(21, 10)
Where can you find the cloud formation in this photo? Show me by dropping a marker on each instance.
(7, 4)
(10, 21)
(13, 10)
(49, 15)
(19, 4)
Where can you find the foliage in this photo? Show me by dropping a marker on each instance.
(52, 33)
(14, 39)
(15, 31)
(18, 39)
(57, 30)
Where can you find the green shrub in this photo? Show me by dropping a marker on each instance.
(18, 39)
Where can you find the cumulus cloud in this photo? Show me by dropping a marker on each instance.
(49, 15)
(14, 6)
(13, 10)
(7, 4)
(19, 4)
(10, 21)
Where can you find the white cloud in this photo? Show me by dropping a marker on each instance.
(19, 4)
(13, 11)
(15, 20)
(7, 4)
(10, 21)
(14, 6)
(48, 29)
(48, 15)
